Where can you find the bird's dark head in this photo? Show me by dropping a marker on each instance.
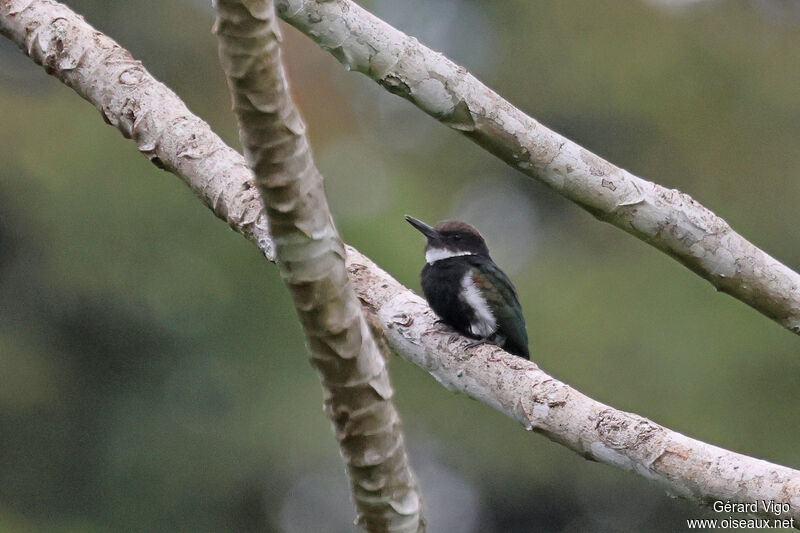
(449, 239)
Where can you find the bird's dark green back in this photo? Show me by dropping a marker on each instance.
(501, 296)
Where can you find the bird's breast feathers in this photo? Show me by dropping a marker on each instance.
(483, 322)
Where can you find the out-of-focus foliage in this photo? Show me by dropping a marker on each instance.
(153, 376)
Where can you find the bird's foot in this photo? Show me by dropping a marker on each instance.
(481, 342)
(494, 339)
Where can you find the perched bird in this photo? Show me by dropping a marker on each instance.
(467, 290)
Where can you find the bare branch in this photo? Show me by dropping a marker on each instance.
(685, 467)
(310, 253)
(140, 107)
(667, 219)
(58, 39)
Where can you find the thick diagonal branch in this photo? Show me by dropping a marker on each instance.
(103, 73)
(668, 219)
(310, 254)
(685, 467)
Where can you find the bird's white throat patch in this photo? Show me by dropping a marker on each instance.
(483, 323)
(437, 254)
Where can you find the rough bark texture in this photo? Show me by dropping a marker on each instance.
(667, 219)
(310, 254)
(685, 467)
(141, 107)
(59, 40)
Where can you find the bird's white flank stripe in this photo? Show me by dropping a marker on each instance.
(483, 323)
(437, 254)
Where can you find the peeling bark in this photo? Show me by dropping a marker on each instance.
(62, 42)
(310, 254)
(665, 218)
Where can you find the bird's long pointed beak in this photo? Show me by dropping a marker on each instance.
(425, 229)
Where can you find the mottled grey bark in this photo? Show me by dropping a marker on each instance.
(685, 467)
(310, 254)
(143, 109)
(665, 218)
(140, 107)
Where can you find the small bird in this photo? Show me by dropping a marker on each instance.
(467, 290)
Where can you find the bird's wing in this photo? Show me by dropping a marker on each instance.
(501, 296)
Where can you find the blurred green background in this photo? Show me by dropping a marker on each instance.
(153, 376)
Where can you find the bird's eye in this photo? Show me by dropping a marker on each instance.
(457, 237)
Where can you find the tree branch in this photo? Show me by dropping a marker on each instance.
(98, 69)
(685, 467)
(140, 107)
(310, 253)
(666, 218)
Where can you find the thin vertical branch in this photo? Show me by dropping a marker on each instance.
(358, 395)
